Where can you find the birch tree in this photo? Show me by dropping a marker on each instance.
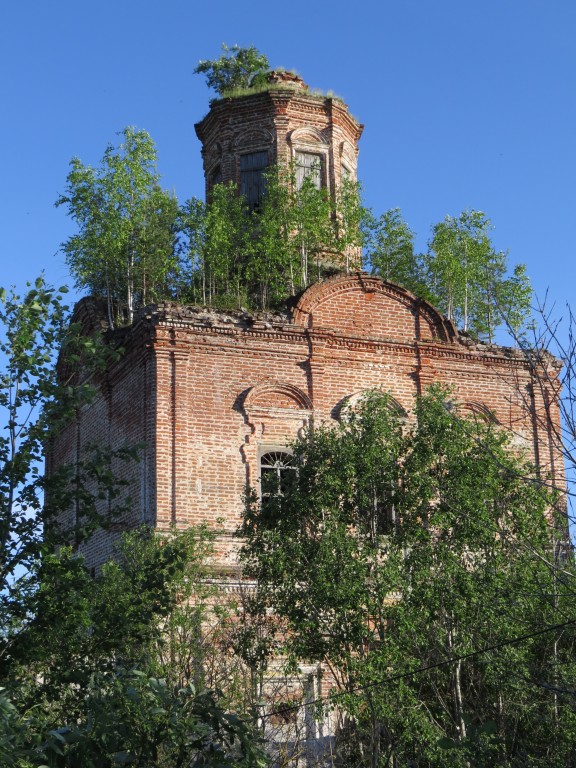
(468, 279)
(124, 250)
(460, 246)
(390, 251)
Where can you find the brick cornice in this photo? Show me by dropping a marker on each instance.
(193, 334)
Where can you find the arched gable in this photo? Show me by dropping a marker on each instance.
(350, 404)
(277, 396)
(365, 306)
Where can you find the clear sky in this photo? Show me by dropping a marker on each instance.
(466, 105)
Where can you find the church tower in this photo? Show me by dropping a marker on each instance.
(214, 398)
(285, 123)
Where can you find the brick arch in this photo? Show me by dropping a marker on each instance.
(252, 138)
(478, 411)
(274, 394)
(367, 306)
(276, 414)
(350, 403)
(307, 134)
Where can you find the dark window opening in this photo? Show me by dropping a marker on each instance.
(385, 518)
(252, 178)
(284, 713)
(216, 176)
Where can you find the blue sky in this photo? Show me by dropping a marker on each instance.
(466, 105)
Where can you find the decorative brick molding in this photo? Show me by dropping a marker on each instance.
(275, 396)
(370, 306)
(350, 403)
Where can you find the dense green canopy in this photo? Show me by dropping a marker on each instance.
(393, 555)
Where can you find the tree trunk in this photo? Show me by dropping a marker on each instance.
(109, 302)
(130, 289)
(457, 691)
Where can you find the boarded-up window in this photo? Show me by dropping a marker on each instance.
(308, 166)
(252, 180)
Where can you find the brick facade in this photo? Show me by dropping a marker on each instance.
(206, 393)
(281, 121)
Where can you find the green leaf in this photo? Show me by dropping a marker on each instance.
(446, 743)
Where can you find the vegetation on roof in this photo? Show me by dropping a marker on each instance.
(236, 68)
(246, 72)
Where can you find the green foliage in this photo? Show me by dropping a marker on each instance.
(136, 245)
(275, 264)
(139, 720)
(125, 248)
(86, 667)
(350, 217)
(237, 68)
(390, 251)
(293, 231)
(515, 302)
(32, 327)
(457, 249)
(467, 277)
(34, 402)
(219, 243)
(461, 273)
(84, 674)
(260, 258)
(401, 545)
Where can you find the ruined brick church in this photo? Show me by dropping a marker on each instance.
(214, 398)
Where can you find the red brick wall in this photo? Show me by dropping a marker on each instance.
(122, 415)
(206, 393)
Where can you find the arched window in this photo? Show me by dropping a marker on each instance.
(277, 473)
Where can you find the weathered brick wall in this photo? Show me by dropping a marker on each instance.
(280, 121)
(206, 393)
(121, 415)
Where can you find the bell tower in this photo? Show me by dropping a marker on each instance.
(281, 123)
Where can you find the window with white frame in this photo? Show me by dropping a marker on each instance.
(277, 473)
